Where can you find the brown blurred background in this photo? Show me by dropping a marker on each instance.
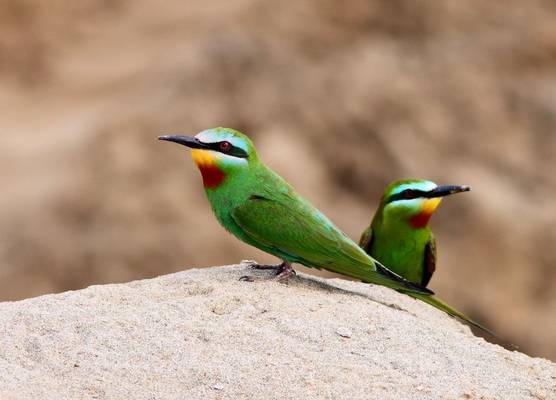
(340, 98)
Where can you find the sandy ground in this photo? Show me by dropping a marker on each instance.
(204, 334)
(339, 100)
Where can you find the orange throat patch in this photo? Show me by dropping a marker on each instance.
(421, 219)
(206, 162)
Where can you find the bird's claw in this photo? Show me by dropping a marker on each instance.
(284, 273)
(247, 278)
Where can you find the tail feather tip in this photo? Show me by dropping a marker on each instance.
(408, 284)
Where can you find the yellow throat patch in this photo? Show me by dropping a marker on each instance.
(430, 205)
(202, 157)
(206, 162)
(421, 219)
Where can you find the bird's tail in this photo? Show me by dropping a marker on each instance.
(395, 281)
(437, 303)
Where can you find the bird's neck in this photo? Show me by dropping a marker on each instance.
(421, 219)
(401, 226)
(212, 176)
(212, 173)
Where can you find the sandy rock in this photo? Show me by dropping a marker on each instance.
(202, 334)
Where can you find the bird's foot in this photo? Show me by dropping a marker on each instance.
(284, 270)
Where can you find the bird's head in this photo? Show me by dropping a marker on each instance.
(415, 200)
(218, 153)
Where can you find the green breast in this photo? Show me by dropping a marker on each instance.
(401, 249)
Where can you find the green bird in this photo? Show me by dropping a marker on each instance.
(260, 208)
(399, 235)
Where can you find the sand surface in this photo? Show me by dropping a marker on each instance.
(339, 100)
(203, 334)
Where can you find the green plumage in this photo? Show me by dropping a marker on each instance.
(261, 209)
(406, 250)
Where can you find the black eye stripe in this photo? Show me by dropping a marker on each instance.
(232, 151)
(405, 195)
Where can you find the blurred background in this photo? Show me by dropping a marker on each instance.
(340, 99)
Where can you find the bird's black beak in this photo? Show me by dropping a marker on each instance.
(188, 141)
(446, 190)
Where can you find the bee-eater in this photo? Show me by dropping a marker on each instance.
(399, 235)
(260, 208)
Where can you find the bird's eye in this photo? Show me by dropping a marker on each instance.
(225, 146)
(408, 194)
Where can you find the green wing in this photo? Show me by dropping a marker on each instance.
(306, 236)
(366, 240)
(429, 263)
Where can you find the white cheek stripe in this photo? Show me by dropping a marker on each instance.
(231, 160)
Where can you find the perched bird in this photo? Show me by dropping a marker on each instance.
(261, 209)
(399, 235)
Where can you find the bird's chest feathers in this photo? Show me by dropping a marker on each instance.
(400, 243)
(212, 175)
(420, 220)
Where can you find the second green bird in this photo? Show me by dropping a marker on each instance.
(399, 235)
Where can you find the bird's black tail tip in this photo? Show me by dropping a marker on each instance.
(408, 284)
